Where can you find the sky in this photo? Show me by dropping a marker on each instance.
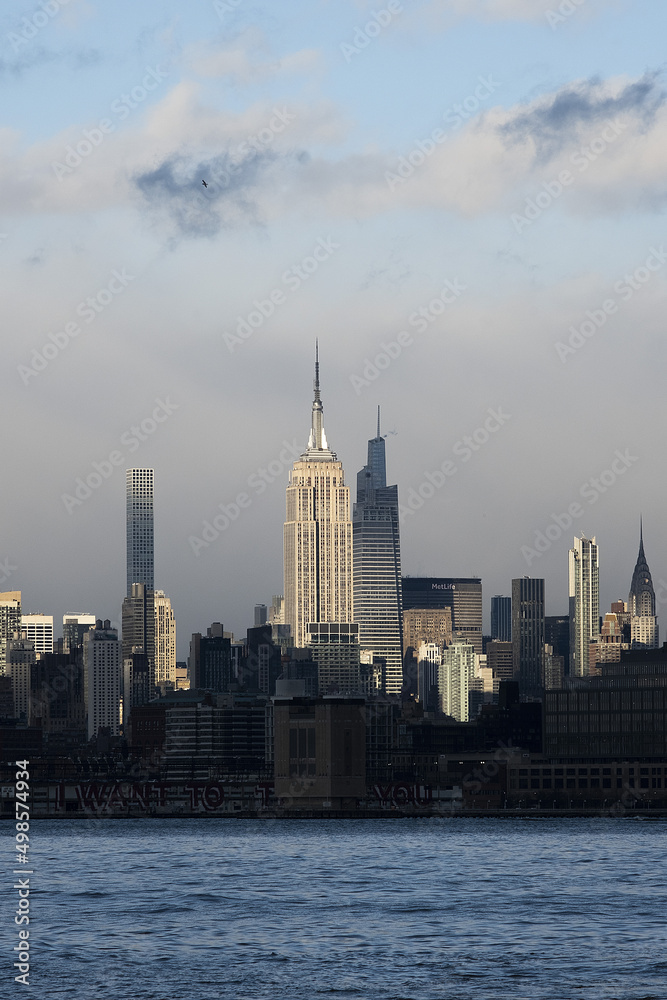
(463, 200)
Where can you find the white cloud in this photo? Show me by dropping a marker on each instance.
(248, 60)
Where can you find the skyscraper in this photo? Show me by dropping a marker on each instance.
(139, 514)
(462, 595)
(584, 602)
(139, 621)
(528, 634)
(103, 674)
(75, 626)
(641, 603)
(165, 640)
(39, 629)
(501, 618)
(457, 670)
(317, 535)
(377, 564)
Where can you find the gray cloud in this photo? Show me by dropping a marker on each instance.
(36, 56)
(175, 189)
(551, 126)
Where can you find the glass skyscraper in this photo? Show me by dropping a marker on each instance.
(377, 564)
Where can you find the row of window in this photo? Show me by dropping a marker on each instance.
(558, 783)
(547, 771)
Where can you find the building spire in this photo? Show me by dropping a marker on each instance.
(317, 442)
(378, 422)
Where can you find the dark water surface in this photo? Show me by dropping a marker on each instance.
(378, 909)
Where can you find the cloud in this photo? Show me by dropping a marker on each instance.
(550, 124)
(248, 60)
(442, 11)
(34, 57)
(175, 188)
(496, 160)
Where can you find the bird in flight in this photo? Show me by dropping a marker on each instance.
(205, 184)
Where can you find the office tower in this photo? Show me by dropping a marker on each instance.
(262, 665)
(557, 635)
(276, 615)
(20, 661)
(10, 621)
(10, 613)
(137, 688)
(75, 626)
(103, 665)
(138, 623)
(584, 602)
(500, 659)
(528, 634)
(39, 629)
(457, 670)
(210, 661)
(139, 515)
(462, 595)
(427, 625)
(608, 645)
(334, 646)
(377, 564)
(57, 702)
(501, 618)
(553, 668)
(165, 640)
(261, 614)
(317, 535)
(641, 603)
(429, 658)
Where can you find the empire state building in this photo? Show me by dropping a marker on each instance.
(317, 534)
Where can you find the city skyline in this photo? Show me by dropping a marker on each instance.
(475, 251)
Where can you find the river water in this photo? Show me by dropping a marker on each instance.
(399, 909)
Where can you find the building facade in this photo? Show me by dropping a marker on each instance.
(501, 618)
(139, 492)
(75, 626)
(317, 535)
(641, 603)
(462, 595)
(377, 606)
(39, 629)
(528, 634)
(103, 666)
(584, 591)
(165, 640)
(457, 670)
